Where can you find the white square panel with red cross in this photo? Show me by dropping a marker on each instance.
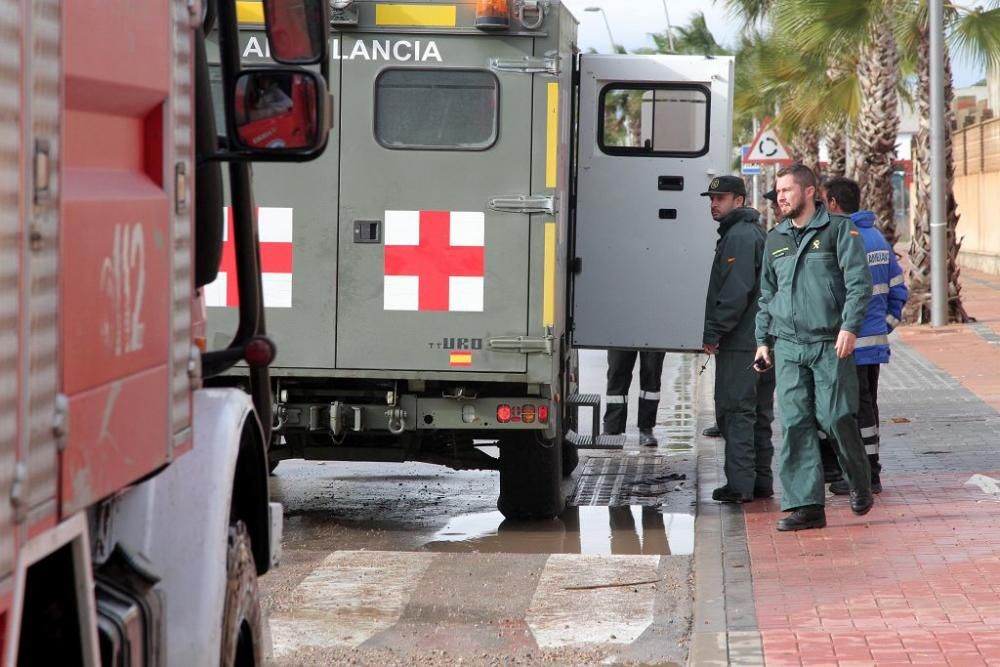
(274, 227)
(434, 261)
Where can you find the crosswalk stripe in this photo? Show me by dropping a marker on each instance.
(348, 599)
(578, 601)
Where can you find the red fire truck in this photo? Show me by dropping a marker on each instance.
(135, 515)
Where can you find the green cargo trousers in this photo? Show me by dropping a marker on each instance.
(744, 410)
(815, 387)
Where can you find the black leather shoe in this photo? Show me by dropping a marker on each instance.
(724, 494)
(804, 518)
(861, 502)
(763, 492)
(712, 432)
(840, 488)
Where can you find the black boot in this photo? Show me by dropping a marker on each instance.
(804, 518)
(876, 472)
(861, 502)
(712, 432)
(724, 494)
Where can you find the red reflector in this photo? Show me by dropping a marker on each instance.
(528, 413)
(503, 413)
(543, 414)
(259, 352)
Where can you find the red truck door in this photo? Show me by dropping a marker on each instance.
(125, 242)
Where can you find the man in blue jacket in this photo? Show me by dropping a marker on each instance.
(889, 294)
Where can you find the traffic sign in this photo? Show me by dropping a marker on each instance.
(745, 168)
(768, 148)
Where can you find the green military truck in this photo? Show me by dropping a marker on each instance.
(490, 201)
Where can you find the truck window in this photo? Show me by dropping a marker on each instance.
(436, 109)
(666, 120)
(218, 99)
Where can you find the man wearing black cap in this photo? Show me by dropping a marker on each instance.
(772, 196)
(743, 398)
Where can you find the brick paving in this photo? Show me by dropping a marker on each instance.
(917, 581)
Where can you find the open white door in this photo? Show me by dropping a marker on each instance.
(653, 132)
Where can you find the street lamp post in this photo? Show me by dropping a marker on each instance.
(670, 30)
(606, 25)
(938, 213)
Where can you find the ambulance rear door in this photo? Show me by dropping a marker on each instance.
(653, 132)
(428, 273)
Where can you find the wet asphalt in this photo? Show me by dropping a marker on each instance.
(411, 563)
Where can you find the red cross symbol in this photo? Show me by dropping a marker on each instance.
(275, 257)
(434, 260)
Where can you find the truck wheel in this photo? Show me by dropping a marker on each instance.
(530, 477)
(241, 620)
(570, 458)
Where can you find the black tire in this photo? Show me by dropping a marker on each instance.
(570, 458)
(530, 478)
(242, 629)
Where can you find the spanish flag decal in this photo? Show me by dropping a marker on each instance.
(731, 260)
(854, 232)
(460, 358)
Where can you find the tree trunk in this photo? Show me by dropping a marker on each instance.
(836, 144)
(805, 147)
(877, 127)
(919, 307)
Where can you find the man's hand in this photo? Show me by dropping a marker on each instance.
(845, 344)
(763, 353)
(710, 349)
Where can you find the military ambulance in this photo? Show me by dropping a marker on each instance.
(491, 200)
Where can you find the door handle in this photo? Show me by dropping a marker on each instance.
(367, 231)
(670, 183)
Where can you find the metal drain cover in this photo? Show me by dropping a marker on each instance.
(615, 481)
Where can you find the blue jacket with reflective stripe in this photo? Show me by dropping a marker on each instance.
(889, 293)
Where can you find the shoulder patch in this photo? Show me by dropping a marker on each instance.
(731, 260)
(854, 232)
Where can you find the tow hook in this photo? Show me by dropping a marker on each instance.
(397, 420)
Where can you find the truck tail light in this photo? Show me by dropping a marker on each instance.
(528, 413)
(503, 413)
(543, 414)
(492, 15)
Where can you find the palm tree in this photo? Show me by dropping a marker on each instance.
(975, 34)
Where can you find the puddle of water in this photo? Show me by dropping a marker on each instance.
(580, 530)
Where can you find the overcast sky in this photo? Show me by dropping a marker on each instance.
(632, 21)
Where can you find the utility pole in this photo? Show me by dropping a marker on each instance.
(756, 177)
(670, 30)
(614, 44)
(938, 213)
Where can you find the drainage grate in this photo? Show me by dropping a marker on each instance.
(615, 481)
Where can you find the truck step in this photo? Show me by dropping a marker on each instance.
(592, 401)
(588, 400)
(600, 442)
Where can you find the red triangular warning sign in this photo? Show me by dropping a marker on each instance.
(768, 148)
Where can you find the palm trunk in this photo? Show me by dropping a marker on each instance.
(877, 128)
(836, 144)
(805, 148)
(919, 307)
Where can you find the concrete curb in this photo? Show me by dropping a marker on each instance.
(724, 631)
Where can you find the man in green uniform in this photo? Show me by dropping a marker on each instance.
(744, 399)
(814, 288)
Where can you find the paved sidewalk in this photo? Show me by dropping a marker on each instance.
(917, 581)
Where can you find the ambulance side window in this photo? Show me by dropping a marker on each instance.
(218, 99)
(436, 109)
(669, 120)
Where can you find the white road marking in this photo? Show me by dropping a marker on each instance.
(618, 615)
(985, 484)
(348, 599)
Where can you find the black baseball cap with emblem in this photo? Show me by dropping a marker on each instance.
(725, 184)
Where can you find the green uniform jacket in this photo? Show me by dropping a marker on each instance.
(813, 289)
(733, 289)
